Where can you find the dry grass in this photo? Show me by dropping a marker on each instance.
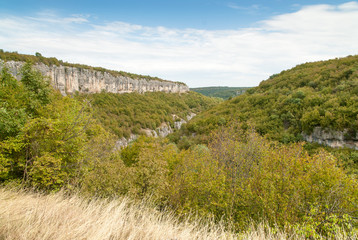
(29, 216)
(34, 216)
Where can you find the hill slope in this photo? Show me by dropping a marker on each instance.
(131, 113)
(320, 94)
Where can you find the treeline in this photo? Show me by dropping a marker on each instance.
(130, 113)
(49, 61)
(50, 142)
(221, 92)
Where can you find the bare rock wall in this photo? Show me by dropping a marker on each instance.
(335, 139)
(69, 80)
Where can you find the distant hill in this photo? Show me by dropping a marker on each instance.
(221, 92)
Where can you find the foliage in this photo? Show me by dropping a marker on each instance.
(239, 177)
(141, 170)
(294, 101)
(13, 112)
(221, 92)
(124, 114)
(319, 94)
(36, 86)
(278, 183)
(46, 139)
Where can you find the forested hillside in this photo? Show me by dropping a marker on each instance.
(221, 92)
(130, 113)
(313, 94)
(319, 94)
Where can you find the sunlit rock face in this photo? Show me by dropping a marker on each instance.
(69, 80)
(335, 139)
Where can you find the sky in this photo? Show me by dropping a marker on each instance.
(202, 43)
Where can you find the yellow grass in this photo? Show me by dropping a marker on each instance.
(28, 216)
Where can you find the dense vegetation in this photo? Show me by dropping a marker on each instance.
(50, 142)
(221, 92)
(46, 140)
(239, 177)
(129, 113)
(293, 102)
(38, 58)
(313, 94)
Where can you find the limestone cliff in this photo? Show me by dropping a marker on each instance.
(335, 139)
(73, 79)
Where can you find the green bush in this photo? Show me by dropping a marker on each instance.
(46, 139)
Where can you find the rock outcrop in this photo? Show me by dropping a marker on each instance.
(179, 121)
(69, 80)
(335, 139)
(164, 130)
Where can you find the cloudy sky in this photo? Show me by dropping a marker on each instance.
(199, 42)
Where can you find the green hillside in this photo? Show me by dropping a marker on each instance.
(290, 103)
(123, 114)
(294, 101)
(221, 92)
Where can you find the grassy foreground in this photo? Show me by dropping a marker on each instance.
(34, 216)
(27, 215)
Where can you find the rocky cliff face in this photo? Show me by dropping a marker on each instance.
(332, 138)
(72, 79)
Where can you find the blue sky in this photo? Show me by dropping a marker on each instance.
(201, 43)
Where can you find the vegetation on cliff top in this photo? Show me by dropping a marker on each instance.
(49, 61)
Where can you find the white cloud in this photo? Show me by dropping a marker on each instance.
(238, 57)
(251, 9)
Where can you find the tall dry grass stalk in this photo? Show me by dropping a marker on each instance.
(29, 216)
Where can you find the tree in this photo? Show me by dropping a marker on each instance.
(37, 87)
